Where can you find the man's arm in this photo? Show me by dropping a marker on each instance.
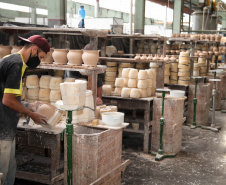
(10, 101)
(31, 106)
(99, 92)
(99, 96)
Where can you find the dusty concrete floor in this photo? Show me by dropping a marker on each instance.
(201, 161)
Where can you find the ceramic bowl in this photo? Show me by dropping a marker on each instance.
(113, 118)
(177, 93)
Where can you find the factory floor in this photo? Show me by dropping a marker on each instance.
(201, 161)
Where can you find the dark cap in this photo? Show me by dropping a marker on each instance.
(38, 40)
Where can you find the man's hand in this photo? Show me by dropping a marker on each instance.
(10, 101)
(38, 118)
(99, 101)
(34, 106)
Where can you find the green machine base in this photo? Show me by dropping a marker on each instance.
(160, 154)
(159, 157)
(212, 128)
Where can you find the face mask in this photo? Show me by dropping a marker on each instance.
(33, 62)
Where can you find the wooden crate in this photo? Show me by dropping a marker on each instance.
(95, 153)
(203, 104)
(172, 133)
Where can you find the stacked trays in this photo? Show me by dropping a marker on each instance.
(136, 84)
(32, 84)
(106, 90)
(196, 69)
(151, 82)
(121, 66)
(125, 90)
(173, 70)
(203, 66)
(111, 73)
(46, 89)
(167, 70)
(132, 83)
(119, 84)
(54, 86)
(142, 83)
(184, 69)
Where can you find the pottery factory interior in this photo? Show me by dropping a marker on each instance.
(160, 118)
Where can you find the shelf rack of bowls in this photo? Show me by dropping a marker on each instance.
(211, 51)
(155, 71)
(142, 50)
(179, 51)
(133, 77)
(206, 46)
(204, 51)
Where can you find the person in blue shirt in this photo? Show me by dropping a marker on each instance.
(81, 14)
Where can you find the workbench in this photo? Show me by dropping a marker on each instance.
(144, 104)
(29, 163)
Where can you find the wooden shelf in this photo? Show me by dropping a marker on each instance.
(123, 55)
(83, 31)
(82, 69)
(140, 99)
(181, 39)
(136, 36)
(60, 33)
(192, 40)
(207, 41)
(114, 59)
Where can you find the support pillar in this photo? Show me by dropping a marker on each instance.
(131, 17)
(70, 9)
(56, 12)
(177, 14)
(165, 19)
(223, 23)
(97, 7)
(139, 17)
(33, 16)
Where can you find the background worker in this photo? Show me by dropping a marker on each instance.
(12, 68)
(81, 13)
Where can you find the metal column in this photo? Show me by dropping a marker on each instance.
(223, 23)
(178, 4)
(97, 6)
(56, 12)
(33, 16)
(139, 17)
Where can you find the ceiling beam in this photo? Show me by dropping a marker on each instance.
(30, 3)
(10, 14)
(171, 4)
